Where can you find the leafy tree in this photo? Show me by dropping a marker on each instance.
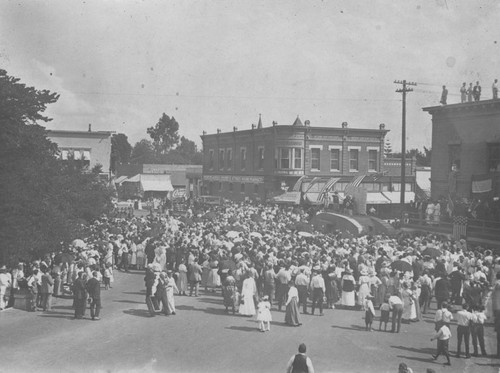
(44, 200)
(164, 134)
(120, 150)
(143, 152)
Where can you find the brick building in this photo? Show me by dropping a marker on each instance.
(465, 149)
(262, 162)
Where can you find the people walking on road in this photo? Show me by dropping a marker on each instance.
(5, 285)
(300, 363)
(248, 294)
(369, 312)
(47, 289)
(171, 288)
(195, 273)
(93, 287)
(464, 321)
(477, 330)
(292, 307)
(318, 291)
(396, 306)
(79, 296)
(264, 316)
(442, 336)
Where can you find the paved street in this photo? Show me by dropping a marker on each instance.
(202, 338)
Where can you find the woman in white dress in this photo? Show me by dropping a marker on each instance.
(248, 291)
(364, 287)
(347, 285)
(409, 310)
(213, 276)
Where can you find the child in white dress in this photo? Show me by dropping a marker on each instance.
(264, 314)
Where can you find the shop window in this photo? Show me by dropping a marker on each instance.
(494, 156)
(297, 158)
(242, 188)
(285, 158)
(230, 186)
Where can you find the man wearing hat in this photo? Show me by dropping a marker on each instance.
(318, 288)
(93, 287)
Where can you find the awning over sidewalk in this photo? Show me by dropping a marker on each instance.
(151, 182)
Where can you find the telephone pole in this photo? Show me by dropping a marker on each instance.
(403, 140)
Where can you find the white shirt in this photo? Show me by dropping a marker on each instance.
(318, 282)
(443, 334)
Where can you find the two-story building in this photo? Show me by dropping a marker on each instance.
(90, 147)
(262, 162)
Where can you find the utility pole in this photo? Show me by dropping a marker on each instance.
(403, 140)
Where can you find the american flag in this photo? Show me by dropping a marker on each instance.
(326, 188)
(355, 183)
(459, 227)
(296, 187)
(311, 184)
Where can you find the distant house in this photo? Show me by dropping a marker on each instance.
(91, 147)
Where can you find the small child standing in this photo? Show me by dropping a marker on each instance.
(108, 273)
(369, 312)
(264, 314)
(385, 310)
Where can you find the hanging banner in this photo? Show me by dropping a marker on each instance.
(482, 183)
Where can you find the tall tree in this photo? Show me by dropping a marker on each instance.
(164, 134)
(120, 150)
(143, 152)
(43, 200)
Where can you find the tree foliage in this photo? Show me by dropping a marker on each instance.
(43, 200)
(143, 152)
(164, 134)
(120, 150)
(423, 158)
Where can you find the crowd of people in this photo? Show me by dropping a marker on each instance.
(470, 93)
(263, 259)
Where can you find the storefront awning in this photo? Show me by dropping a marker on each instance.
(377, 198)
(395, 197)
(152, 183)
(288, 197)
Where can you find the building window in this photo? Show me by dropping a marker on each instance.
(334, 159)
(297, 158)
(243, 158)
(353, 160)
(260, 161)
(64, 155)
(372, 160)
(494, 156)
(454, 157)
(285, 158)
(229, 158)
(220, 186)
(211, 159)
(242, 188)
(256, 188)
(221, 159)
(315, 159)
(230, 186)
(77, 155)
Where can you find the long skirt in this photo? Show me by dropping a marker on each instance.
(213, 278)
(182, 283)
(231, 296)
(292, 313)
(348, 298)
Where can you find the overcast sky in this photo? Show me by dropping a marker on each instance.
(217, 64)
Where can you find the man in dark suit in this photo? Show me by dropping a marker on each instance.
(441, 289)
(93, 287)
(195, 278)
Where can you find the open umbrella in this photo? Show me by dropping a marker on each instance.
(79, 243)
(401, 265)
(432, 252)
(209, 216)
(232, 234)
(256, 218)
(255, 234)
(305, 234)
